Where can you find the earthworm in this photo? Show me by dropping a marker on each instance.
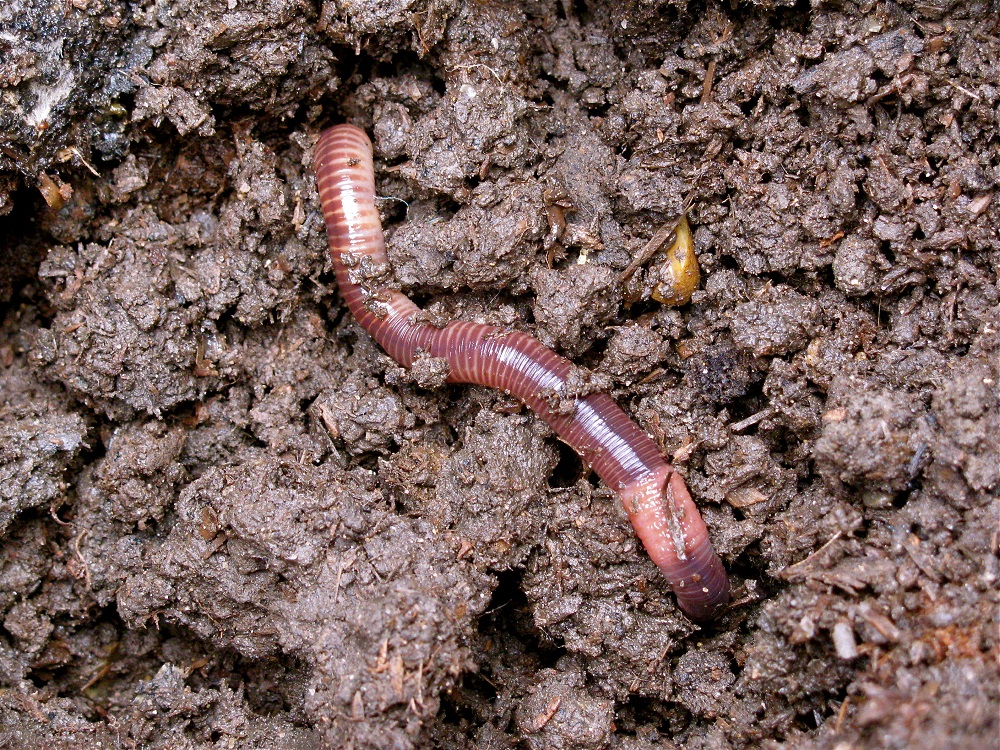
(653, 494)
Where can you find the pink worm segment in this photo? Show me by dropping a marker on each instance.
(654, 495)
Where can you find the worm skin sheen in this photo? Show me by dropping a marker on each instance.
(654, 495)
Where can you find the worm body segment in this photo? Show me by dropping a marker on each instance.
(654, 495)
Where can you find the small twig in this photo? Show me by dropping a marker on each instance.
(752, 419)
(393, 198)
(543, 718)
(55, 516)
(706, 89)
(99, 675)
(841, 714)
(788, 571)
(658, 240)
(343, 565)
(965, 91)
(471, 66)
(79, 556)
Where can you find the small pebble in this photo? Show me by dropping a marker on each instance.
(843, 641)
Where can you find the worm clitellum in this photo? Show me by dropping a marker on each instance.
(654, 495)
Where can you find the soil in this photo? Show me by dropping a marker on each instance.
(230, 521)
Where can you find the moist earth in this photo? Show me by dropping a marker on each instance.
(230, 521)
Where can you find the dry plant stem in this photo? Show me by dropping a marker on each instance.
(653, 494)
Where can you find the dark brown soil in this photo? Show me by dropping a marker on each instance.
(230, 521)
